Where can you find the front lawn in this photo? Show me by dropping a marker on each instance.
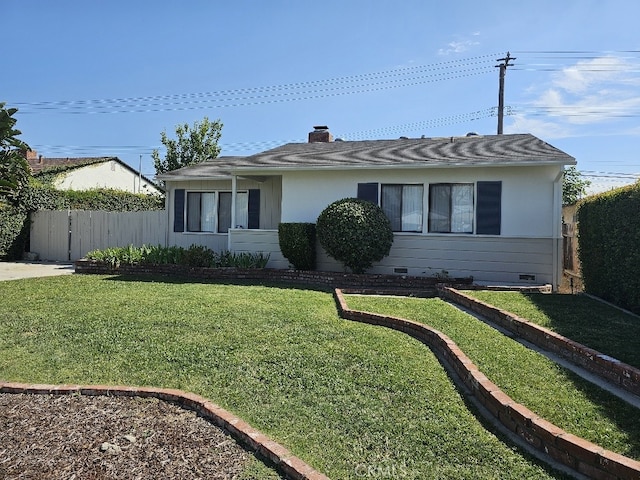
(578, 317)
(531, 379)
(349, 399)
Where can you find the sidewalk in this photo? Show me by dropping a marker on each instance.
(24, 269)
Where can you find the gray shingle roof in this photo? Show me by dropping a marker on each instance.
(489, 150)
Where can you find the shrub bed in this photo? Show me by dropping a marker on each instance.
(194, 256)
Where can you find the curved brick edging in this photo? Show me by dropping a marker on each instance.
(574, 452)
(619, 373)
(284, 461)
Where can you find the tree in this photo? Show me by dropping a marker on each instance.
(14, 169)
(574, 187)
(193, 145)
(355, 232)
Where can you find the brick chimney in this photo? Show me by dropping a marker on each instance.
(320, 133)
(31, 155)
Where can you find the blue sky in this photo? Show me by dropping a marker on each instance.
(102, 78)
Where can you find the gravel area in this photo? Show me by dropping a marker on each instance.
(75, 437)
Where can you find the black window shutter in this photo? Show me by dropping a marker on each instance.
(254, 208)
(368, 191)
(178, 210)
(489, 208)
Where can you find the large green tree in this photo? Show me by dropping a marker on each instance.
(192, 145)
(14, 169)
(574, 186)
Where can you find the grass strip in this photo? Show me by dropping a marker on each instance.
(531, 379)
(350, 399)
(583, 319)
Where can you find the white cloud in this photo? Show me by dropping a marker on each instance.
(459, 46)
(580, 77)
(600, 91)
(539, 128)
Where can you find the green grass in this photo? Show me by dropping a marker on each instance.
(348, 398)
(529, 378)
(578, 317)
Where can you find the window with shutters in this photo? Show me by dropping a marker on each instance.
(453, 207)
(211, 211)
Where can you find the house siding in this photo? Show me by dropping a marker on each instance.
(524, 251)
(487, 259)
(527, 192)
(270, 200)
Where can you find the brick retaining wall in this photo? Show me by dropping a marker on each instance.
(328, 280)
(576, 453)
(619, 373)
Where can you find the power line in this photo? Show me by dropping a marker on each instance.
(399, 78)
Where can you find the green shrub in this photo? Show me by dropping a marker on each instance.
(194, 256)
(14, 231)
(199, 256)
(355, 232)
(609, 246)
(298, 244)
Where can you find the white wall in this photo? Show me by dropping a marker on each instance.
(527, 192)
(109, 174)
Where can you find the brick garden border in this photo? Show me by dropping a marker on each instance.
(313, 278)
(282, 459)
(619, 373)
(569, 450)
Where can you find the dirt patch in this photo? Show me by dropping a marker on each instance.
(91, 437)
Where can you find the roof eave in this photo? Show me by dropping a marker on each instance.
(280, 168)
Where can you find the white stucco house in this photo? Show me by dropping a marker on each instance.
(86, 173)
(482, 206)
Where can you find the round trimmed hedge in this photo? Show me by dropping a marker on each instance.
(355, 232)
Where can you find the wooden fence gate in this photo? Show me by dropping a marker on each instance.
(68, 235)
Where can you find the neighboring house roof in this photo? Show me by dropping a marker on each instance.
(470, 151)
(40, 164)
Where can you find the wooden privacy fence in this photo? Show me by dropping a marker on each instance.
(69, 235)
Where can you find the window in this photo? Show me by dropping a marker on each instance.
(201, 211)
(403, 206)
(451, 208)
(211, 211)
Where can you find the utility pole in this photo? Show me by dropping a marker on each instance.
(140, 175)
(503, 69)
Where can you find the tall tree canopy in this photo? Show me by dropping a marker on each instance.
(574, 187)
(192, 145)
(14, 169)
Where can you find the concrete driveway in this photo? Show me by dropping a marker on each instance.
(16, 270)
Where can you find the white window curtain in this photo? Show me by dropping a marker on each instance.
(412, 208)
(224, 212)
(391, 202)
(439, 207)
(242, 210)
(193, 211)
(208, 212)
(462, 208)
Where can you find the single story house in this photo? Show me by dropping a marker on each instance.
(86, 173)
(482, 206)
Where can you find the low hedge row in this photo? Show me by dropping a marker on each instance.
(194, 256)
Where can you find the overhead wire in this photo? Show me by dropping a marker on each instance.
(355, 84)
